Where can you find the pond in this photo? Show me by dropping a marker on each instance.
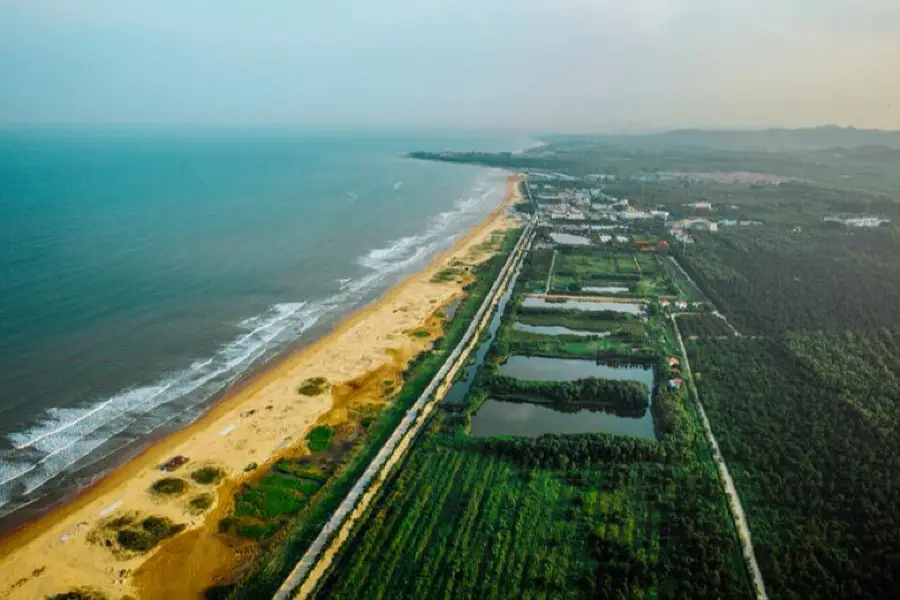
(557, 330)
(569, 239)
(505, 417)
(612, 289)
(624, 307)
(540, 368)
(501, 417)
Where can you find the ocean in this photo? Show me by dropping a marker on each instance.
(144, 271)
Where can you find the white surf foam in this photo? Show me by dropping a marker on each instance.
(67, 435)
(442, 229)
(72, 436)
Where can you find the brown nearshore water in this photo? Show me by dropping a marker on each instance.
(258, 420)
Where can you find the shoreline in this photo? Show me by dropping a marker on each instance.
(56, 534)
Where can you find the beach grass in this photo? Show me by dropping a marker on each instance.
(145, 535)
(200, 503)
(169, 486)
(208, 475)
(319, 438)
(313, 386)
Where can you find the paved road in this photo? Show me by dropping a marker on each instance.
(315, 562)
(734, 501)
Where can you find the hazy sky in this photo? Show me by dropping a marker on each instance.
(536, 64)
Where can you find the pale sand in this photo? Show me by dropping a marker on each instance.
(53, 554)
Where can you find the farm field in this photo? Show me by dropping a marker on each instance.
(472, 519)
(589, 515)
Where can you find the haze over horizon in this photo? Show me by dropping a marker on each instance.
(573, 65)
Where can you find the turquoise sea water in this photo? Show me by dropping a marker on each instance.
(144, 271)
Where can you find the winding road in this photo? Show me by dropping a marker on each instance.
(734, 501)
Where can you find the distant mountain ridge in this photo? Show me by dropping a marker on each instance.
(810, 138)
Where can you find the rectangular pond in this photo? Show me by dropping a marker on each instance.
(610, 289)
(502, 417)
(568, 239)
(507, 417)
(623, 307)
(540, 368)
(557, 330)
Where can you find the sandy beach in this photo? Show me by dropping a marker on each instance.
(258, 422)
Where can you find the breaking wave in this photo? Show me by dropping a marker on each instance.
(66, 440)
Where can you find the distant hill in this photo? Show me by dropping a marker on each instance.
(813, 138)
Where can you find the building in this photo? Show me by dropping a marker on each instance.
(702, 224)
(632, 215)
(851, 221)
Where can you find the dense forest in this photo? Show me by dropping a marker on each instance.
(772, 280)
(703, 325)
(810, 426)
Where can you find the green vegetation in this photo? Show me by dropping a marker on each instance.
(558, 516)
(263, 507)
(769, 280)
(804, 406)
(319, 438)
(251, 467)
(201, 502)
(809, 425)
(703, 325)
(144, 535)
(620, 396)
(314, 386)
(208, 475)
(445, 275)
(535, 270)
(169, 486)
(300, 528)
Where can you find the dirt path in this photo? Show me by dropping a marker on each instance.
(734, 501)
(550, 274)
(318, 558)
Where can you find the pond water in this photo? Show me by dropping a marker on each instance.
(569, 239)
(624, 307)
(539, 368)
(502, 417)
(612, 289)
(557, 330)
(505, 417)
(458, 390)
